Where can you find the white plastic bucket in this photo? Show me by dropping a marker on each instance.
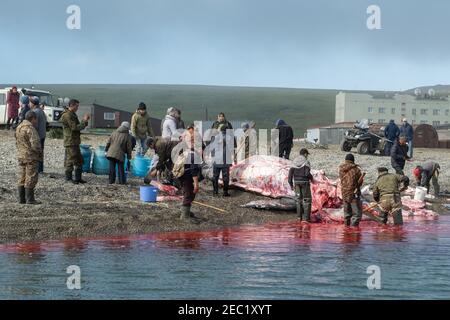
(421, 192)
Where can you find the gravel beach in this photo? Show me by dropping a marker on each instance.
(98, 209)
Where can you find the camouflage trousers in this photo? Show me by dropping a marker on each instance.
(27, 174)
(73, 158)
(391, 203)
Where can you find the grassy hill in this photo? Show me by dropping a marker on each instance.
(301, 108)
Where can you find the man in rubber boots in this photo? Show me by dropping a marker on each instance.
(386, 192)
(351, 179)
(29, 153)
(300, 181)
(72, 128)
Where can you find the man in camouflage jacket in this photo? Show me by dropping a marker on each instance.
(72, 128)
(29, 153)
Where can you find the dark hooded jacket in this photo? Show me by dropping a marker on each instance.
(399, 154)
(286, 134)
(300, 172)
(391, 131)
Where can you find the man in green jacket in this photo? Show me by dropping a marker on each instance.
(386, 192)
(72, 128)
(141, 128)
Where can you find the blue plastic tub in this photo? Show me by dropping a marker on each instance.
(86, 153)
(140, 166)
(148, 193)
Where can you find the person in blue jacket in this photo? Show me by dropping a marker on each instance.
(407, 130)
(391, 132)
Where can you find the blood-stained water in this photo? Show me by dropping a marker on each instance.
(274, 261)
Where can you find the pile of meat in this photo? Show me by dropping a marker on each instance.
(268, 175)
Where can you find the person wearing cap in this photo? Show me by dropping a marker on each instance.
(12, 103)
(222, 149)
(426, 173)
(399, 155)
(299, 179)
(351, 179)
(141, 127)
(72, 127)
(29, 153)
(162, 160)
(407, 130)
(285, 140)
(25, 107)
(386, 191)
(169, 125)
(41, 126)
(118, 146)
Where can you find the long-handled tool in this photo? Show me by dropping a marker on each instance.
(370, 215)
(209, 206)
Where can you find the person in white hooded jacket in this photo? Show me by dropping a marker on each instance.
(169, 127)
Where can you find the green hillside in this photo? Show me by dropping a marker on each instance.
(301, 108)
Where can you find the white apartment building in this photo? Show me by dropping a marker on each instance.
(351, 107)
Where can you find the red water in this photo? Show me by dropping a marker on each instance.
(250, 235)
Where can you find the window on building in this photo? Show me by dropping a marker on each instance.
(393, 110)
(436, 112)
(413, 122)
(413, 111)
(381, 121)
(423, 121)
(370, 109)
(436, 123)
(2, 99)
(446, 122)
(447, 112)
(381, 110)
(424, 112)
(111, 116)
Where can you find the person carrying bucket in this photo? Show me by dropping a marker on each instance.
(119, 145)
(429, 172)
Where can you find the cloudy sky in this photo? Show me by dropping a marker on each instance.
(280, 43)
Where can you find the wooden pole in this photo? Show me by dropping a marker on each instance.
(209, 206)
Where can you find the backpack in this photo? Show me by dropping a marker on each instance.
(178, 167)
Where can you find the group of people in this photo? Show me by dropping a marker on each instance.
(222, 147)
(392, 132)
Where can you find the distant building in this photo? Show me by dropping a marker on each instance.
(351, 107)
(103, 117)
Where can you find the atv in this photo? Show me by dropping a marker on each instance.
(363, 140)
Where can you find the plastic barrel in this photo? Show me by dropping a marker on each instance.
(140, 166)
(86, 153)
(100, 165)
(148, 193)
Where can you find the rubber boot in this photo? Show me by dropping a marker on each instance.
(299, 210)
(185, 213)
(68, 177)
(29, 196)
(21, 191)
(78, 173)
(225, 190)
(306, 210)
(215, 188)
(384, 217)
(398, 218)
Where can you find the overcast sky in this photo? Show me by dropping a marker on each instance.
(282, 43)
